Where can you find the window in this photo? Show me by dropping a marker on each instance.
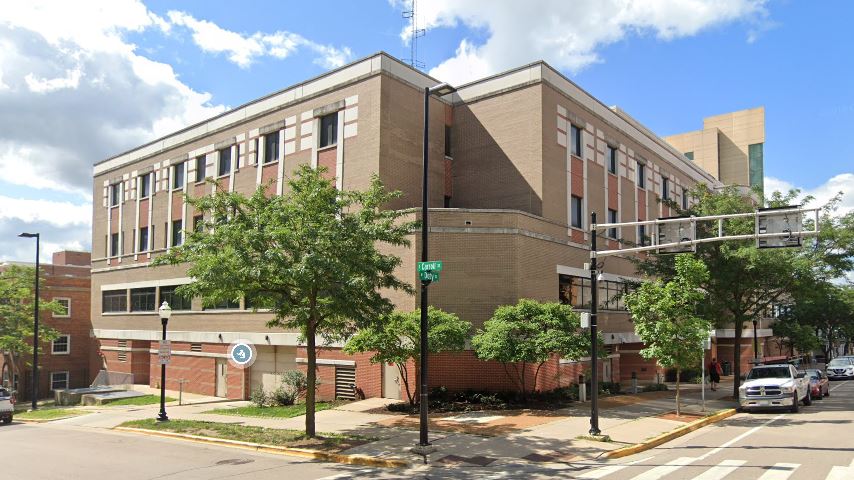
(145, 185)
(575, 140)
(198, 223)
(114, 301)
(612, 218)
(575, 212)
(177, 226)
(59, 380)
(176, 301)
(142, 299)
(329, 130)
(689, 156)
(576, 291)
(224, 162)
(641, 175)
(448, 141)
(65, 303)
(114, 245)
(665, 188)
(201, 168)
(143, 239)
(684, 199)
(115, 193)
(447, 202)
(271, 147)
(61, 345)
(178, 172)
(611, 158)
(224, 305)
(756, 162)
(642, 238)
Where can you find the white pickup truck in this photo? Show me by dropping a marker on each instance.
(7, 405)
(774, 386)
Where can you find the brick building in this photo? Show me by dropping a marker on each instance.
(71, 360)
(519, 160)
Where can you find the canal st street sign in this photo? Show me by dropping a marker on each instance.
(431, 266)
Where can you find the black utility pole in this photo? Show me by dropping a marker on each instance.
(755, 344)
(35, 379)
(594, 337)
(165, 313)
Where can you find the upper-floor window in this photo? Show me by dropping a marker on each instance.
(229, 304)
(271, 147)
(575, 140)
(575, 211)
(665, 188)
(224, 162)
(684, 198)
(611, 158)
(642, 238)
(198, 223)
(142, 299)
(175, 300)
(178, 172)
(143, 240)
(177, 237)
(115, 194)
(65, 304)
(641, 175)
(61, 345)
(689, 155)
(448, 152)
(329, 130)
(114, 301)
(114, 245)
(145, 185)
(612, 218)
(576, 291)
(201, 168)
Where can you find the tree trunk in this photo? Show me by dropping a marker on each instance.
(678, 374)
(404, 377)
(736, 360)
(311, 377)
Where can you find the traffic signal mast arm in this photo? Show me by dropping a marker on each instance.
(719, 238)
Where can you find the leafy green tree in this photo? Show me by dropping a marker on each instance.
(528, 333)
(310, 256)
(16, 313)
(665, 318)
(795, 334)
(397, 339)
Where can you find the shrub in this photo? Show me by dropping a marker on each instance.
(296, 383)
(259, 398)
(283, 396)
(688, 375)
(655, 387)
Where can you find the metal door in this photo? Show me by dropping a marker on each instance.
(391, 381)
(221, 377)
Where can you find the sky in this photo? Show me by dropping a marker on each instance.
(83, 81)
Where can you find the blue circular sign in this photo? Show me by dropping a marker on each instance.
(241, 354)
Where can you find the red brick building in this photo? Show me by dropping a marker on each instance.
(70, 361)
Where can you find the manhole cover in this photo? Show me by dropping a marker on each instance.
(235, 461)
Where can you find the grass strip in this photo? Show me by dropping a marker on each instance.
(288, 411)
(144, 400)
(49, 414)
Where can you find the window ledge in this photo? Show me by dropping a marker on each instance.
(327, 147)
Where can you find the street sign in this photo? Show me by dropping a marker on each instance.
(785, 223)
(431, 266)
(164, 354)
(673, 232)
(241, 353)
(429, 276)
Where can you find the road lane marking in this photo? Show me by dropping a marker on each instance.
(666, 469)
(739, 438)
(839, 385)
(609, 469)
(841, 473)
(721, 470)
(780, 471)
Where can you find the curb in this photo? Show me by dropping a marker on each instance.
(295, 452)
(32, 420)
(666, 437)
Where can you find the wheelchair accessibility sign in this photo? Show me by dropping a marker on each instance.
(242, 353)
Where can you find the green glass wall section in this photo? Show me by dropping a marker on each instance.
(756, 162)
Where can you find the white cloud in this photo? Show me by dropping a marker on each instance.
(242, 49)
(62, 226)
(844, 183)
(44, 85)
(61, 214)
(567, 34)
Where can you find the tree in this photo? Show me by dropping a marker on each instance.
(310, 256)
(795, 334)
(664, 314)
(397, 339)
(16, 313)
(530, 332)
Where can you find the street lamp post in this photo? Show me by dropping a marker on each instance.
(35, 323)
(594, 337)
(165, 313)
(439, 90)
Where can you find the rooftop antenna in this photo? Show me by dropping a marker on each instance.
(413, 38)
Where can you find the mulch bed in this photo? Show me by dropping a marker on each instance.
(685, 417)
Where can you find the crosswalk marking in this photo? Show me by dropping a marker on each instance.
(720, 470)
(665, 469)
(780, 471)
(607, 470)
(841, 473)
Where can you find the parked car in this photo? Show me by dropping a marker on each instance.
(840, 368)
(819, 384)
(7, 405)
(774, 386)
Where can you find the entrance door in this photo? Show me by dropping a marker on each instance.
(391, 381)
(221, 376)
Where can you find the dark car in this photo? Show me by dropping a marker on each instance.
(819, 383)
(7, 405)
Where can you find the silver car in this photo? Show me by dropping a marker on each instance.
(840, 368)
